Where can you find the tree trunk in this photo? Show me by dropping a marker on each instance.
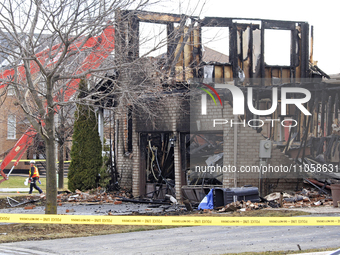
(51, 174)
(51, 179)
(61, 166)
(61, 145)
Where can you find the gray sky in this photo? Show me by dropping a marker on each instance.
(323, 15)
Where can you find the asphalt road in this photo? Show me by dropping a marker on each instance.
(187, 240)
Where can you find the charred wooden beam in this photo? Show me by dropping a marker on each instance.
(217, 22)
(330, 142)
(278, 24)
(335, 145)
(336, 105)
(250, 53)
(173, 40)
(319, 150)
(181, 48)
(305, 139)
(315, 112)
(197, 52)
(323, 107)
(311, 44)
(318, 109)
(155, 17)
(321, 72)
(304, 50)
(171, 44)
(330, 107)
(240, 56)
(262, 64)
(299, 130)
(233, 50)
(294, 58)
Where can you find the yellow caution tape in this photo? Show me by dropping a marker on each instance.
(170, 220)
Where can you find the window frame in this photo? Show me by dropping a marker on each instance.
(11, 127)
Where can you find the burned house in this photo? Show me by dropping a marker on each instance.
(195, 122)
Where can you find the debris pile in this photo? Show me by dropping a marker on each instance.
(92, 197)
(306, 198)
(242, 206)
(301, 199)
(23, 201)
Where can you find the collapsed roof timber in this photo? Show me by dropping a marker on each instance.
(158, 154)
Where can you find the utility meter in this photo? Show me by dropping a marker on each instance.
(265, 149)
(267, 145)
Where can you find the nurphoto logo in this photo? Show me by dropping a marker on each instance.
(238, 99)
(239, 104)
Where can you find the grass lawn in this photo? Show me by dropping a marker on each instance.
(18, 182)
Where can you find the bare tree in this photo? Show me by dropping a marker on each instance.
(49, 46)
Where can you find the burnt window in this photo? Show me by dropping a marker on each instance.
(129, 129)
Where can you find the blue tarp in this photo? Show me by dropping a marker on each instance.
(208, 201)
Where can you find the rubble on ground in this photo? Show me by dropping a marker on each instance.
(242, 206)
(92, 196)
(305, 198)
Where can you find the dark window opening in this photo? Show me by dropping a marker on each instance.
(129, 129)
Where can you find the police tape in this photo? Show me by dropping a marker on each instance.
(170, 220)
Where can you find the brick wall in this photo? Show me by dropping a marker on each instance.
(173, 116)
(199, 122)
(248, 141)
(124, 159)
(8, 107)
(168, 116)
(136, 161)
(247, 147)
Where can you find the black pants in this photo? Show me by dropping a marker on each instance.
(34, 185)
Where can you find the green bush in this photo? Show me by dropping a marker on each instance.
(86, 151)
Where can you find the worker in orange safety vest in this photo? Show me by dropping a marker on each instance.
(33, 178)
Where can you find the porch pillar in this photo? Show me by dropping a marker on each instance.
(177, 167)
(136, 169)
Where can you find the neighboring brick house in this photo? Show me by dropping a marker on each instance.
(13, 122)
(12, 125)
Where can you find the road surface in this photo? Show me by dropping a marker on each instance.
(186, 240)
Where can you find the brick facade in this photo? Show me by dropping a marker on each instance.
(173, 116)
(8, 108)
(124, 158)
(247, 146)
